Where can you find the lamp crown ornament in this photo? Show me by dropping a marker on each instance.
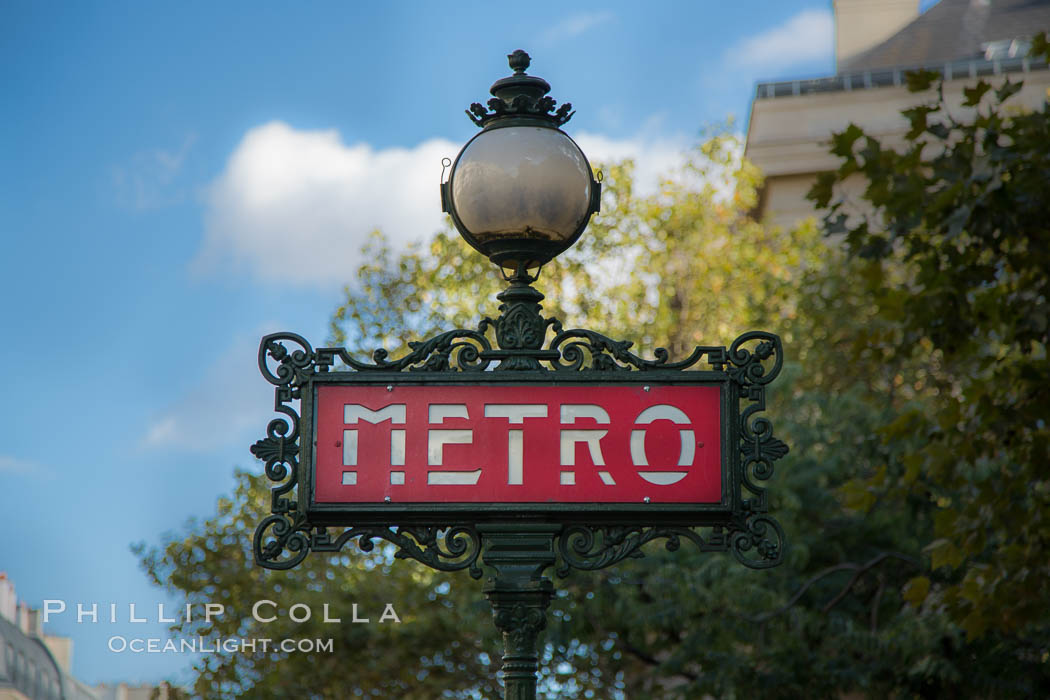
(520, 96)
(519, 61)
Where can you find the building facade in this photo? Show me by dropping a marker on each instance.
(38, 666)
(876, 43)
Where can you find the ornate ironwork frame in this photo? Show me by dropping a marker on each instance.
(591, 536)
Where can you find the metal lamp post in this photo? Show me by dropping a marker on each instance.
(520, 192)
(555, 438)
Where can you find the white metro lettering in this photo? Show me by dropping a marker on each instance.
(592, 438)
(395, 413)
(685, 458)
(437, 439)
(516, 413)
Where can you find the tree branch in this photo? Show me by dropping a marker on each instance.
(858, 572)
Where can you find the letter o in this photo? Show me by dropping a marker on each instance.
(685, 457)
(304, 606)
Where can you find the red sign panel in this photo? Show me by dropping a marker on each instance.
(518, 444)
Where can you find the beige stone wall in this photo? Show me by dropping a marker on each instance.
(123, 691)
(863, 24)
(62, 649)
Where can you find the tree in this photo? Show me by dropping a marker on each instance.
(682, 266)
(954, 243)
(424, 654)
(633, 254)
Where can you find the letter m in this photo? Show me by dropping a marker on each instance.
(354, 413)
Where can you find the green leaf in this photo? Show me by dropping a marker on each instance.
(943, 552)
(1008, 89)
(975, 93)
(917, 118)
(821, 191)
(858, 496)
(916, 590)
(919, 80)
(842, 141)
(974, 625)
(1040, 47)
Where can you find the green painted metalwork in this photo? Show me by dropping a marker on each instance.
(516, 543)
(474, 537)
(520, 594)
(521, 98)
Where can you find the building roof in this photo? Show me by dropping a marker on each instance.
(26, 665)
(954, 30)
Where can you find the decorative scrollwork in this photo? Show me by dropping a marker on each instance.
(277, 535)
(519, 106)
(457, 549)
(760, 535)
(279, 450)
(519, 333)
(445, 549)
(747, 369)
(591, 548)
(605, 353)
(456, 350)
(758, 448)
(520, 623)
(293, 367)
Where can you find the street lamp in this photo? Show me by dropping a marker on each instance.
(521, 191)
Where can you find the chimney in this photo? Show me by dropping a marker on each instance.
(34, 623)
(8, 601)
(863, 24)
(23, 619)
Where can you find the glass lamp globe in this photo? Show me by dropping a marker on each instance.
(521, 191)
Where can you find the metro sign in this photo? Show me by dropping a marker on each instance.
(428, 449)
(406, 445)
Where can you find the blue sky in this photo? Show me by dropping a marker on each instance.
(181, 178)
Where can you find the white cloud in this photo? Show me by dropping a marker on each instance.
(654, 159)
(575, 25)
(808, 36)
(231, 401)
(295, 206)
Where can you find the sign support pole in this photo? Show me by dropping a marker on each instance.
(520, 594)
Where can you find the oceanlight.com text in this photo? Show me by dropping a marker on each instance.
(228, 645)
